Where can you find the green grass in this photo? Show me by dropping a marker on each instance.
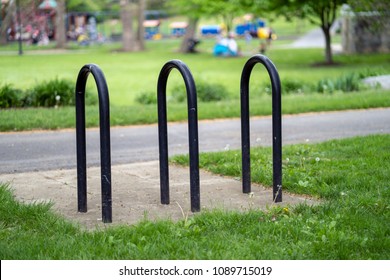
(351, 176)
(129, 74)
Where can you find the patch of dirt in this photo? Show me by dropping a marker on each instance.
(136, 193)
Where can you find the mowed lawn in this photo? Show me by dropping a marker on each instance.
(129, 74)
(349, 176)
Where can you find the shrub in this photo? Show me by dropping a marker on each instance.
(56, 93)
(146, 98)
(9, 96)
(211, 92)
(369, 72)
(292, 86)
(325, 86)
(47, 94)
(53, 93)
(348, 83)
(206, 92)
(289, 86)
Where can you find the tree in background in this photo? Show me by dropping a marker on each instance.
(156, 4)
(60, 25)
(320, 12)
(87, 5)
(8, 9)
(130, 41)
(127, 26)
(381, 8)
(227, 10)
(196, 9)
(140, 38)
(8, 16)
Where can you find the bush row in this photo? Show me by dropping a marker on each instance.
(58, 92)
(350, 82)
(52, 93)
(208, 92)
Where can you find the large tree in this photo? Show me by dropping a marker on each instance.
(9, 17)
(140, 38)
(196, 9)
(86, 5)
(132, 41)
(60, 25)
(193, 9)
(379, 8)
(128, 38)
(8, 10)
(227, 10)
(321, 12)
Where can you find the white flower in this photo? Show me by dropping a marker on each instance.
(58, 98)
(317, 159)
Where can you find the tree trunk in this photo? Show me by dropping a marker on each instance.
(327, 14)
(228, 20)
(6, 22)
(127, 26)
(60, 25)
(140, 30)
(328, 45)
(190, 34)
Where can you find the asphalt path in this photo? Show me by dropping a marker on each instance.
(49, 150)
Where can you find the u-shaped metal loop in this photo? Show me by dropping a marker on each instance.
(276, 125)
(105, 146)
(192, 132)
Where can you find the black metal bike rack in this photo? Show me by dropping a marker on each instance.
(276, 125)
(105, 149)
(192, 132)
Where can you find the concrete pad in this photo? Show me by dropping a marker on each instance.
(136, 193)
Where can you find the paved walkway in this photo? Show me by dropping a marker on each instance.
(383, 81)
(43, 150)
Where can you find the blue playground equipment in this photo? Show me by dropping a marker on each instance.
(210, 30)
(250, 27)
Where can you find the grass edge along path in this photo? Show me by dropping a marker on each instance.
(351, 176)
(64, 117)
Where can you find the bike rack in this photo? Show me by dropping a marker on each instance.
(105, 150)
(192, 132)
(276, 125)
